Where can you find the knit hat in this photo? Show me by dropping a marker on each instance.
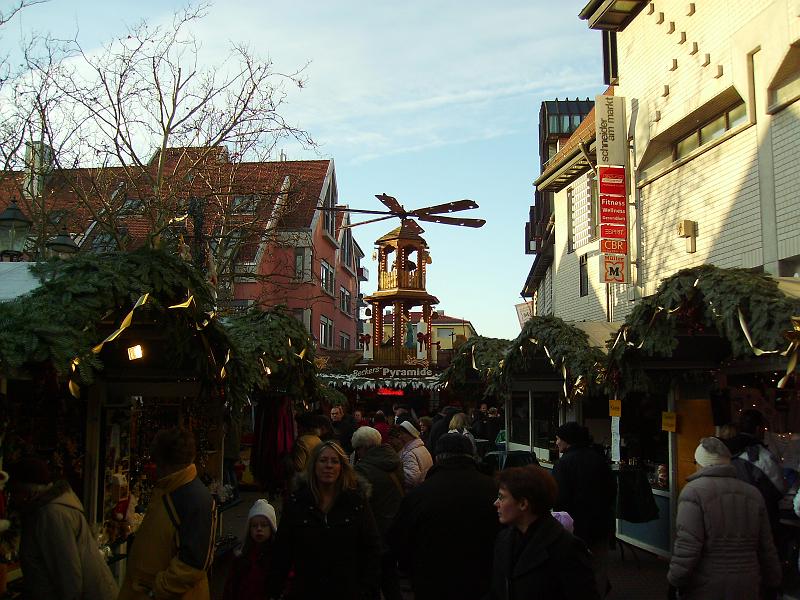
(31, 470)
(409, 427)
(573, 434)
(262, 508)
(712, 451)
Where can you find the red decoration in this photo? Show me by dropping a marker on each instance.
(365, 338)
(384, 391)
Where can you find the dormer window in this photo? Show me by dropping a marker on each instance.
(244, 205)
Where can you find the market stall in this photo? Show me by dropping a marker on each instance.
(710, 343)
(107, 350)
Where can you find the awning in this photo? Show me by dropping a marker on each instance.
(599, 332)
(16, 280)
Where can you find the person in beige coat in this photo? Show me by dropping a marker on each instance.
(723, 544)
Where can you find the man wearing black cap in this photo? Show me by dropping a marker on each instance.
(445, 529)
(587, 492)
(58, 553)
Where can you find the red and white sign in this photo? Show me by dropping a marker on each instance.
(613, 209)
(611, 246)
(611, 180)
(614, 232)
(613, 268)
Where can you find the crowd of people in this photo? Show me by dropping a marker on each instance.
(373, 498)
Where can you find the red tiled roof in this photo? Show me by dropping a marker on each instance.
(84, 195)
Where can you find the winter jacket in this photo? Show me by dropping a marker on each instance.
(249, 573)
(723, 544)
(756, 465)
(303, 447)
(440, 426)
(59, 555)
(344, 430)
(174, 545)
(586, 490)
(546, 563)
(334, 556)
(416, 462)
(382, 468)
(444, 532)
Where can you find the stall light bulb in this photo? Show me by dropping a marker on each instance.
(135, 352)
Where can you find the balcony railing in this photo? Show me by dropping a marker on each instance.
(406, 280)
(389, 355)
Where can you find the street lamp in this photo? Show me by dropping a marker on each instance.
(62, 244)
(14, 230)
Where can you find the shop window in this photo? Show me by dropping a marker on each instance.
(545, 419)
(325, 332)
(711, 130)
(583, 275)
(520, 418)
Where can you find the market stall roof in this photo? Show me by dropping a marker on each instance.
(16, 279)
(705, 315)
(365, 382)
(81, 306)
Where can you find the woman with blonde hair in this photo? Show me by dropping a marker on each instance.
(459, 423)
(327, 534)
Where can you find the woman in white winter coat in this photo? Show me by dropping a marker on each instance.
(404, 438)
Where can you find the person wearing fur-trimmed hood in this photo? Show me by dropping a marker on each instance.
(327, 534)
(58, 552)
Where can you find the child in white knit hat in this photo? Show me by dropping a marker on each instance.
(247, 578)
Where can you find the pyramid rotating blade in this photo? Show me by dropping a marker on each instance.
(452, 221)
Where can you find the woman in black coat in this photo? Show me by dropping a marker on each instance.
(534, 556)
(327, 534)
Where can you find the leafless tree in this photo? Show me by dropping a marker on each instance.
(153, 146)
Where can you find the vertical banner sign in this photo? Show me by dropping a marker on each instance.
(612, 153)
(609, 128)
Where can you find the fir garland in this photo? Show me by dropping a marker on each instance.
(275, 351)
(471, 372)
(694, 299)
(566, 347)
(61, 321)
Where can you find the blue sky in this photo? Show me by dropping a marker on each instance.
(426, 101)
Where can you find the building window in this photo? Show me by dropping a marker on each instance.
(325, 332)
(326, 276)
(329, 216)
(244, 205)
(711, 130)
(344, 341)
(584, 275)
(347, 248)
(445, 332)
(56, 216)
(104, 242)
(582, 202)
(131, 206)
(345, 300)
(299, 263)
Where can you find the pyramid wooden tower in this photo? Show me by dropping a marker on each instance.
(402, 261)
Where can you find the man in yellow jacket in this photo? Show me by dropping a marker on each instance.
(174, 545)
